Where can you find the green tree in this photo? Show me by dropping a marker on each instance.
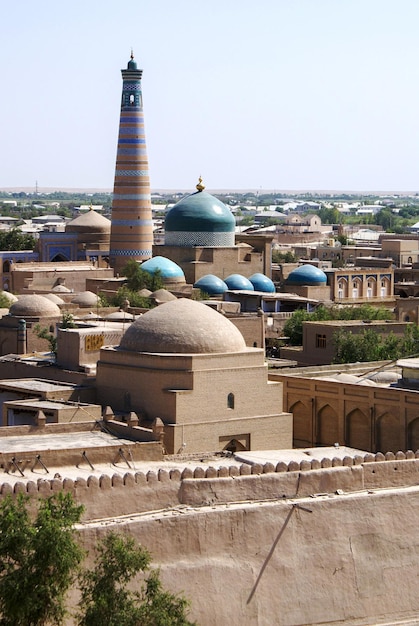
(44, 333)
(122, 295)
(107, 599)
(370, 345)
(351, 348)
(283, 257)
(4, 301)
(343, 240)
(68, 320)
(247, 220)
(138, 278)
(385, 218)
(14, 239)
(39, 559)
(329, 215)
(293, 327)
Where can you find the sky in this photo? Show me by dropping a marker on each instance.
(271, 95)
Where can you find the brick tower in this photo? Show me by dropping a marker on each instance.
(132, 228)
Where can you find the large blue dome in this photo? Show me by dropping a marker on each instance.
(307, 275)
(212, 285)
(261, 282)
(238, 282)
(168, 269)
(200, 219)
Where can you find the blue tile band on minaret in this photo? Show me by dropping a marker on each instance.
(132, 226)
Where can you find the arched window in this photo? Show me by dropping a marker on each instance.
(230, 401)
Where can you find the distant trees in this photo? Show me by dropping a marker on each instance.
(283, 257)
(293, 328)
(329, 215)
(14, 239)
(371, 346)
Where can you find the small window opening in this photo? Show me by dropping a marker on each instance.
(230, 401)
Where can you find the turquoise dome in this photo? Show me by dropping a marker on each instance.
(237, 281)
(307, 275)
(168, 269)
(200, 219)
(212, 285)
(261, 282)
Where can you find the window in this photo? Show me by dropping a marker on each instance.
(230, 401)
(355, 291)
(320, 341)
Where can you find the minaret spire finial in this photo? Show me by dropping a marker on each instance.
(200, 186)
(132, 54)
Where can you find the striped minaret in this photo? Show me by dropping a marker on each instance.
(132, 227)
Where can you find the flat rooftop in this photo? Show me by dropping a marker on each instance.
(35, 385)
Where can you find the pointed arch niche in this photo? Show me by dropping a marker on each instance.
(413, 435)
(358, 429)
(388, 433)
(302, 424)
(327, 426)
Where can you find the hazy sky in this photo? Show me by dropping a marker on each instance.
(268, 95)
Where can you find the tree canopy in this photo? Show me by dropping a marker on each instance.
(293, 328)
(370, 345)
(138, 278)
(14, 239)
(40, 560)
(107, 599)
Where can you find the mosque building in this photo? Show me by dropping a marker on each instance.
(200, 239)
(187, 365)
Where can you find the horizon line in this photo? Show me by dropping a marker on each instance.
(256, 191)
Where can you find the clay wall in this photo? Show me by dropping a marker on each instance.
(316, 542)
(251, 327)
(128, 491)
(370, 418)
(223, 261)
(32, 277)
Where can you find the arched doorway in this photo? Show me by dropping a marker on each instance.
(59, 258)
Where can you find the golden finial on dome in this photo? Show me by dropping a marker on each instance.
(132, 54)
(200, 186)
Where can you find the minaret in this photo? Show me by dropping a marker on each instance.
(132, 227)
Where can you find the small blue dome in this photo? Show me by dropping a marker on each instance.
(168, 269)
(237, 281)
(212, 285)
(307, 275)
(261, 282)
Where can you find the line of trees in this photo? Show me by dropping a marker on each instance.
(371, 346)
(293, 328)
(41, 560)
